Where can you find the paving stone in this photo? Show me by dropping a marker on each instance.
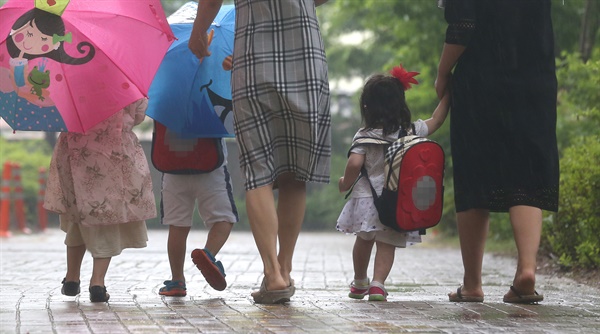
(33, 267)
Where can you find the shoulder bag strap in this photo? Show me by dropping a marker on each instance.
(363, 172)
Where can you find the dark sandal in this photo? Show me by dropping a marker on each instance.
(460, 298)
(98, 294)
(70, 288)
(523, 299)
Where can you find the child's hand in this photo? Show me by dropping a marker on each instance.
(341, 184)
(439, 114)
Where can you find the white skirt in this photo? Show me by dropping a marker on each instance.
(104, 241)
(360, 217)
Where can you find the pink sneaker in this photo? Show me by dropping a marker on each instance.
(377, 292)
(358, 290)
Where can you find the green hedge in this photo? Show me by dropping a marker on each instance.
(574, 233)
(574, 236)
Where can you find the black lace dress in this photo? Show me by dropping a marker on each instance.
(503, 118)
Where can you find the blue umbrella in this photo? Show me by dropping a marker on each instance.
(190, 97)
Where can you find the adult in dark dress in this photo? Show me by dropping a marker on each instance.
(503, 129)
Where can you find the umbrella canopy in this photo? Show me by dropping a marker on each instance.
(190, 97)
(66, 66)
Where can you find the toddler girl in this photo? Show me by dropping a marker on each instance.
(384, 113)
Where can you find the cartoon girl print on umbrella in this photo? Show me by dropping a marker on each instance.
(39, 33)
(35, 34)
(92, 60)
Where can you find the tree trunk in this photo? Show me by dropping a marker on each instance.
(589, 28)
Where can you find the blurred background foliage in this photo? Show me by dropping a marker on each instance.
(363, 37)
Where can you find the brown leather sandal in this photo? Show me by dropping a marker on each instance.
(519, 298)
(264, 296)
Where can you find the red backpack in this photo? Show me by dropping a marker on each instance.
(173, 154)
(413, 190)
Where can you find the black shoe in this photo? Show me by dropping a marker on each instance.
(98, 294)
(70, 288)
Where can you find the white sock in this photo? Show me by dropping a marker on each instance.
(361, 282)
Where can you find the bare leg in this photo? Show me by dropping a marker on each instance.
(384, 259)
(262, 216)
(291, 207)
(473, 226)
(176, 248)
(217, 236)
(74, 260)
(527, 228)
(361, 255)
(99, 271)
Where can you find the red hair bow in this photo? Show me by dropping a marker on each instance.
(405, 77)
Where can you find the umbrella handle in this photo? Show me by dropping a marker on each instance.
(209, 39)
(211, 34)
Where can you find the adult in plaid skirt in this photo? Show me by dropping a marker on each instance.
(282, 121)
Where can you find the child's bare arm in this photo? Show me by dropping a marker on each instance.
(353, 166)
(439, 114)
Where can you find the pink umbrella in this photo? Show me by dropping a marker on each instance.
(68, 66)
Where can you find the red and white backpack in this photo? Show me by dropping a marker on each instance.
(413, 190)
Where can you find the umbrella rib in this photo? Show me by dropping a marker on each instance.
(70, 95)
(79, 118)
(109, 58)
(83, 11)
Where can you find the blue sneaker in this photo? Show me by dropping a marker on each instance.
(212, 270)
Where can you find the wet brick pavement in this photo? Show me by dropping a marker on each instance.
(32, 267)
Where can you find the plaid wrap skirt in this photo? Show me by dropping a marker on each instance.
(280, 92)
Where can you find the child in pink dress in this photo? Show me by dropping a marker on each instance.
(99, 183)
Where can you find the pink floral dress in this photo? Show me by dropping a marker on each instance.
(102, 177)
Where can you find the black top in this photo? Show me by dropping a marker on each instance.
(503, 118)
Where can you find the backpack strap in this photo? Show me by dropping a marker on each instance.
(361, 141)
(404, 133)
(363, 172)
(367, 140)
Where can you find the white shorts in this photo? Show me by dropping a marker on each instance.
(212, 191)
